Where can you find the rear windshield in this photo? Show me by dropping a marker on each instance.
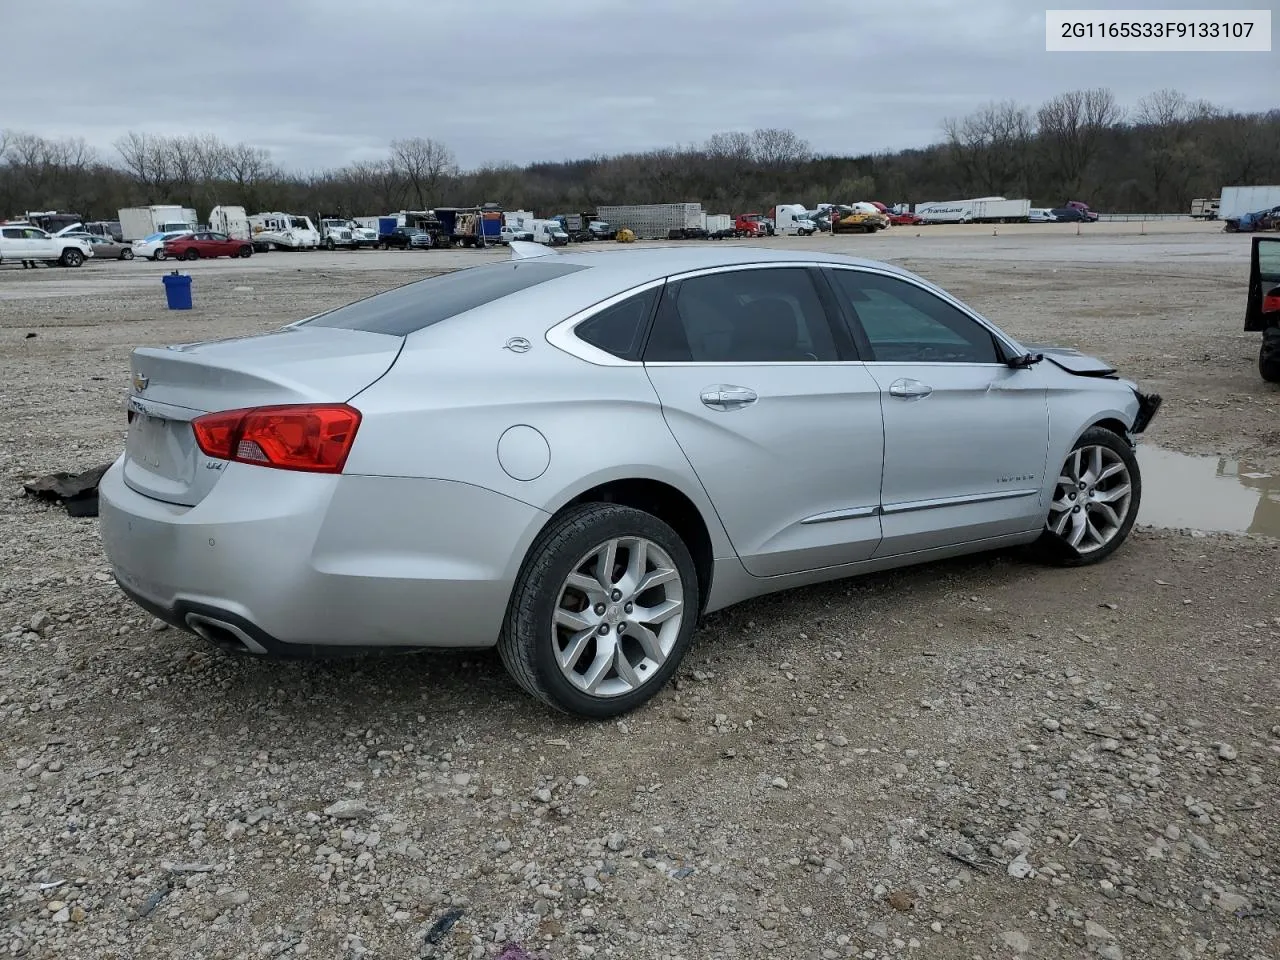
(417, 305)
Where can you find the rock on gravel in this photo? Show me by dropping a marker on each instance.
(348, 810)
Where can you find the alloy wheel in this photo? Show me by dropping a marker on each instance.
(1092, 498)
(617, 616)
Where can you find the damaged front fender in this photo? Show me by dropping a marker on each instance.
(1148, 405)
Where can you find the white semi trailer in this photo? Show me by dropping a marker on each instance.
(137, 223)
(975, 210)
(1237, 201)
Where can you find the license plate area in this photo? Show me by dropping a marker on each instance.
(155, 445)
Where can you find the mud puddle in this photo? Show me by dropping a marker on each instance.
(1207, 493)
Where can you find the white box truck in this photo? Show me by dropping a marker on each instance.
(1237, 201)
(548, 232)
(137, 223)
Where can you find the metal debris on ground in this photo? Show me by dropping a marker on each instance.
(443, 925)
(78, 492)
(153, 901)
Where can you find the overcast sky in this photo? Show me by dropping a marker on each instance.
(321, 83)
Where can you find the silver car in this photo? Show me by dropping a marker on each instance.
(105, 248)
(575, 455)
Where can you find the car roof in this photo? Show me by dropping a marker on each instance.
(630, 267)
(598, 275)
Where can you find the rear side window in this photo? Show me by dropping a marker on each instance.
(620, 328)
(420, 304)
(771, 315)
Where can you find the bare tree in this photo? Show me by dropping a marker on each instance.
(75, 161)
(1072, 126)
(734, 145)
(779, 149)
(425, 164)
(991, 147)
(247, 167)
(146, 156)
(1165, 121)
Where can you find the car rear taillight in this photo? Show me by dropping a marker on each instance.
(310, 437)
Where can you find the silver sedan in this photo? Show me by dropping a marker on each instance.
(106, 248)
(574, 456)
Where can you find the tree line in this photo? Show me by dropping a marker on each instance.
(1153, 157)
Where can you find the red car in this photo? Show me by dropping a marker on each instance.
(196, 246)
(905, 219)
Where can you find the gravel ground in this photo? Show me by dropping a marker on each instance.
(982, 758)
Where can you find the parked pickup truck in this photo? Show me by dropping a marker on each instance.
(407, 238)
(25, 243)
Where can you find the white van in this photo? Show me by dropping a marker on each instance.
(549, 232)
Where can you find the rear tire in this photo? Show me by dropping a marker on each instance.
(1093, 509)
(1269, 355)
(158, 255)
(535, 639)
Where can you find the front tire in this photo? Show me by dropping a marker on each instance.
(191, 254)
(126, 254)
(1269, 355)
(71, 258)
(603, 611)
(1095, 501)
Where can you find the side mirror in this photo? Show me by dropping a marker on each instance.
(1024, 361)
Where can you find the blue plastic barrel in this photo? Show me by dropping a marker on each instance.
(177, 290)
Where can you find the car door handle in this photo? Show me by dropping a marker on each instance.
(726, 396)
(909, 389)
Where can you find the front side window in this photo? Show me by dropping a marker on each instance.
(771, 315)
(905, 323)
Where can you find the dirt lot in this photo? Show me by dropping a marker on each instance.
(981, 758)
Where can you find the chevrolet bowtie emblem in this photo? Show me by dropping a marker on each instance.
(140, 382)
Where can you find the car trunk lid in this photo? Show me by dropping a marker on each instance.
(172, 386)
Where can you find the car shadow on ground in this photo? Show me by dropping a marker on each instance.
(470, 690)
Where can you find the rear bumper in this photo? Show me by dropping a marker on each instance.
(291, 564)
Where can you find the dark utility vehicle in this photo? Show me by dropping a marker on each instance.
(1262, 312)
(408, 238)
